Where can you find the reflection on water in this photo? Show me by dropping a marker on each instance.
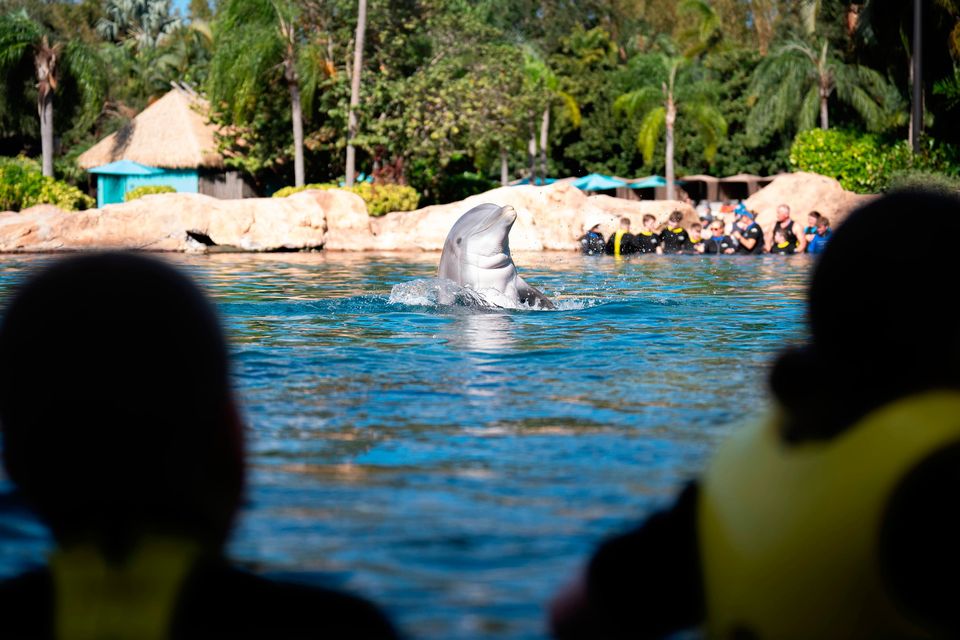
(455, 464)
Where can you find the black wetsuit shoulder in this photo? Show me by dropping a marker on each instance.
(647, 242)
(788, 233)
(675, 240)
(217, 601)
(753, 232)
(718, 245)
(628, 244)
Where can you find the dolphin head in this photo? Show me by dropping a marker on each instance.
(479, 239)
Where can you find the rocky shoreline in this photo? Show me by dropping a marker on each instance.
(549, 218)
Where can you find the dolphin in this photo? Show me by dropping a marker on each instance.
(476, 254)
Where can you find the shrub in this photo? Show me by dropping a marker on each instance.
(380, 198)
(147, 190)
(866, 163)
(860, 163)
(925, 179)
(23, 185)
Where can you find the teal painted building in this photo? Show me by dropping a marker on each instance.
(169, 143)
(114, 180)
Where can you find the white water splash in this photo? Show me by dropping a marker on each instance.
(439, 292)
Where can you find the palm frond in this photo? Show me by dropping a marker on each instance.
(638, 101)
(710, 124)
(649, 132)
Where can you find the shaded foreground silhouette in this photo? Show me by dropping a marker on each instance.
(836, 518)
(121, 431)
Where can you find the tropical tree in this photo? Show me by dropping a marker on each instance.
(680, 94)
(545, 85)
(146, 22)
(795, 83)
(26, 43)
(259, 44)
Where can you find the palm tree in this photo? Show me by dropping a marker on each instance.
(25, 43)
(147, 22)
(704, 32)
(796, 81)
(355, 90)
(258, 43)
(541, 79)
(679, 94)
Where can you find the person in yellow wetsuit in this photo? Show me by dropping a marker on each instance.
(120, 430)
(834, 517)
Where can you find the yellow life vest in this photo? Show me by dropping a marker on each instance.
(616, 241)
(789, 533)
(133, 600)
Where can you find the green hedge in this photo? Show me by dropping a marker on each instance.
(380, 198)
(23, 185)
(147, 190)
(866, 163)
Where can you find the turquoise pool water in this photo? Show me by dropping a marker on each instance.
(456, 465)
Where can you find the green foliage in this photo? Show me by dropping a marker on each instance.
(867, 163)
(22, 185)
(380, 198)
(924, 179)
(147, 190)
(861, 163)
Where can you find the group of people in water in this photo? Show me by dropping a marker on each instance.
(712, 235)
(835, 518)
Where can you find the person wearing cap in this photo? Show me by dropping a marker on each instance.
(747, 232)
(792, 234)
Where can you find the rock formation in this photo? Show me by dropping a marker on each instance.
(549, 218)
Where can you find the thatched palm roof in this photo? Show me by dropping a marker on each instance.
(172, 133)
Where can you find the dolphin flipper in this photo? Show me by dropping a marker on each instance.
(530, 295)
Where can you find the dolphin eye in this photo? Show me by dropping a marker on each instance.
(459, 240)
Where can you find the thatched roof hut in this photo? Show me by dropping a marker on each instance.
(174, 136)
(172, 133)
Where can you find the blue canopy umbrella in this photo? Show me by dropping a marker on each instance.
(597, 182)
(649, 183)
(539, 181)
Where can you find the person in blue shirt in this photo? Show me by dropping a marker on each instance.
(811, 229)
(821, 237)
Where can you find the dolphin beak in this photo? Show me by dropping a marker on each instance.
(510, 214)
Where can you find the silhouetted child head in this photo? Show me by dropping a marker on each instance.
(882, 319)
(115, 403)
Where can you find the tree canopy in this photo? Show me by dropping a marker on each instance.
(456, 95)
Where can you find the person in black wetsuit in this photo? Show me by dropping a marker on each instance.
(717, 242)
(851, 565)
(648, 240)
(791, 230)
(747, 232)
(591, 243)
(121, 431)
(622, 242)
(674, 237)
(781, 246)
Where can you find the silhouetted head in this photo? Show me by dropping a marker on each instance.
(881, 314)
(115, 403)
